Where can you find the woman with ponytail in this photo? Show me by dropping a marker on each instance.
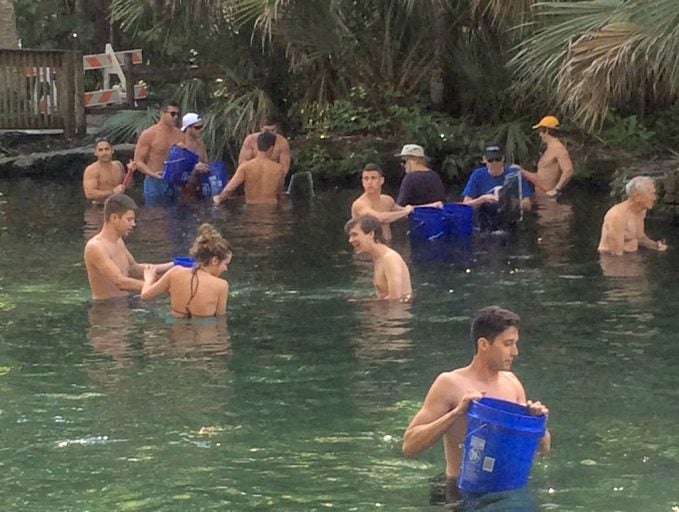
(197, 291)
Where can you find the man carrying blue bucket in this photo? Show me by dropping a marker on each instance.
(444, 413)
(498, 193)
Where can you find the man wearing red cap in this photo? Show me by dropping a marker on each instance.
(554, 167)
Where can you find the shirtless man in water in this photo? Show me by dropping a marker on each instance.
(623, 227)
(261, 175)
(495, 335)
(152, 150)
(374, 202)
(391, 275)
(281, 149)
(111, 269)
(554, 167)
(105, 177)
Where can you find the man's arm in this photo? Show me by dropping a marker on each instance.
(644, 240)
(384, 217)
(142, 152)
(483, 199)
(436, 416)
(238, 178)
(248, 150)
(284, 156)
(97, 257)
(153, 288)
(91, 186)
(535, 409)
(566, 166)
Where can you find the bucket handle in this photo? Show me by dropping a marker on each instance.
(433, 237)
(484, 425)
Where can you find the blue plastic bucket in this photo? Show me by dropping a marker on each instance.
(184, 261)
(179, 165)
(213, 181)
(499, 447)
(426, 223)
(459, 219)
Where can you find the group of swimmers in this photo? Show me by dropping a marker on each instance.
(264, 162)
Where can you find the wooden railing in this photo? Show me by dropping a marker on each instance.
(41, 89)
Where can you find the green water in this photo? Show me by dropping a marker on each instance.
(300, 402)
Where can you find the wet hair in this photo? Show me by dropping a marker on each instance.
(367, 224)
(118, 204)
(168, 103)
(490, 322)
(265, 141)
(637, 184)
(208, 244)
(374, 168)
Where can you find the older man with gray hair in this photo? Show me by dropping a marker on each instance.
(623, 228)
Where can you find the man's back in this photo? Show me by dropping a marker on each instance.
(421, 187)
(262, 178)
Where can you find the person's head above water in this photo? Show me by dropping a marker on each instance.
(266, 141)
(641, 190)
(490, 322)
(367, 224)
(412, 156)
(548, 125)
(118, 204)
(210, 247)
(103, 149)
(269, 123)
(494, 157)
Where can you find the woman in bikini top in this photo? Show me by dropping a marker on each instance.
(197, 291)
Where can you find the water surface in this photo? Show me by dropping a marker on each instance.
(300, 402)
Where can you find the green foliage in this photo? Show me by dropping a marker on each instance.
(127, 125)
(627, 133)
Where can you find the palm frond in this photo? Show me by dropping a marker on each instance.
(127, 125)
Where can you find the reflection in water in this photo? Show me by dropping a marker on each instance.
(384, 328)
(110, 327)
(93, 220)
(180, 337)
(553, 225)
(445, 492)
(626, 277)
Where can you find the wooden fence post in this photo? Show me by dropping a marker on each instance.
(129, 80)
(79, 92)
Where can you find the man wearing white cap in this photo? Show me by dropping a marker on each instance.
(554, 167)
(192, 126)
(420, 186)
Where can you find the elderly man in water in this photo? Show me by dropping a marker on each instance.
(391, 275)
(623, 228)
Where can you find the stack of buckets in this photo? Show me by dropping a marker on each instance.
(501, 441)
(442, 233)
(179, 166)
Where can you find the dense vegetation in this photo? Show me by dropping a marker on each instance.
(445, 73)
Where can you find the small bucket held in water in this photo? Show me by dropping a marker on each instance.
(179, 165)
(213, 181)
(499, 447)
(184, 261)
(459, 220)
(426, 223)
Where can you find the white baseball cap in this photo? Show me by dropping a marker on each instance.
(412, 150)
(190, 119)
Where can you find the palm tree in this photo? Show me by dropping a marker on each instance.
(600, 55)
(8, 26)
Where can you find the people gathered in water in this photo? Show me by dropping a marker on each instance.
(495, 338)
(111, 270)
(374, 202)
(391, 276)
(197, 291)
(623, 229)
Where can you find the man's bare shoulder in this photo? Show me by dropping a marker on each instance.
(451, 381)
(386, 201)
(281, 141)
(91, 170)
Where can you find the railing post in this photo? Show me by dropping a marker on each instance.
(79, 92)
(129, 80)
(68, 106)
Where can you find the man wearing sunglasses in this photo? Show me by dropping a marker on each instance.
(153, 148)
(483, 189)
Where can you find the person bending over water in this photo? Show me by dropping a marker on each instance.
(261, 175)
(111, 269)
(197, 291)
(623, 227)
(495, 334)
(391, 275)
(106, 176)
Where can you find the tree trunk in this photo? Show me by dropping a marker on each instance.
(8, 25)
